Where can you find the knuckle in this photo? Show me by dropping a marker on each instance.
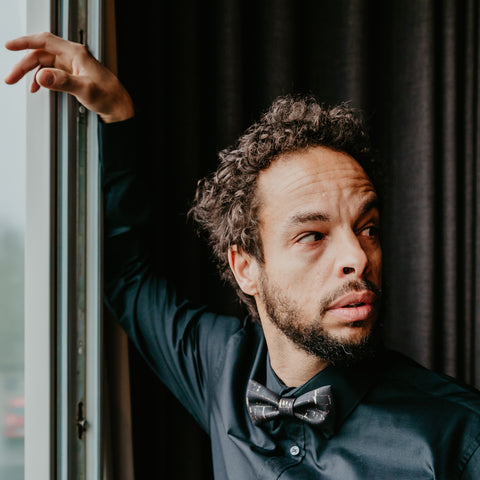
(81, 50)
(45, 35)
(45, 38)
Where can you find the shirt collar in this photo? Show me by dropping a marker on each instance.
(349, 384)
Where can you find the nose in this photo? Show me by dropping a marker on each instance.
(352, 260)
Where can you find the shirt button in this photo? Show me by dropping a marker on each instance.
(294, 451)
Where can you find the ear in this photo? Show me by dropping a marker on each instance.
(245, 269)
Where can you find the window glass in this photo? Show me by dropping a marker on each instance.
(12, 219)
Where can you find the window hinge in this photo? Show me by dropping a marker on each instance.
(81, 422)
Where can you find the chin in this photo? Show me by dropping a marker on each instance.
(353, 332)
(349, 346)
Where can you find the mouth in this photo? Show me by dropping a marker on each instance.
(355, 306)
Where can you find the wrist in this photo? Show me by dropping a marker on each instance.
(123, 110)
(116, 116)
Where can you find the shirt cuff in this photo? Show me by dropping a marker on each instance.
(118, 143)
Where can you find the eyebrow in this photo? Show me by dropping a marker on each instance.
(369, 205)
(306, 217)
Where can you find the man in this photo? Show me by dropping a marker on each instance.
(303, 388)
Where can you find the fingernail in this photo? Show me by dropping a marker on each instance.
(49, 79)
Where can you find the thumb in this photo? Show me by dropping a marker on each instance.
(60, 81)
(45, 78)
(104, 94)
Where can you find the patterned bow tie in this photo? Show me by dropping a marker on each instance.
(315, 407)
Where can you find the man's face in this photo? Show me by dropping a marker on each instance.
(322, 272)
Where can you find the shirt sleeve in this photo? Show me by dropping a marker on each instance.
(181, 343)
(472, 468)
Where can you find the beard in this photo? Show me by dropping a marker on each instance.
(287, 316)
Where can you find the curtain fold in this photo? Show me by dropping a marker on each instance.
(116, 405)
(202, 72)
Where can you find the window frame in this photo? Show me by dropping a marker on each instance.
(39, 326)
(59, 132)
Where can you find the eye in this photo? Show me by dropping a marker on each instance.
(370, 231)
(311, 237)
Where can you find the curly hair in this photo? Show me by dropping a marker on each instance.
(225, 206)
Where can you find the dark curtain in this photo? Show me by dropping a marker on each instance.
(201, 72)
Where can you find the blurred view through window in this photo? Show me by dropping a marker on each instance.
(12, 218)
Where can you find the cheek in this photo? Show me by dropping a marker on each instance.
(300, 282)
(301, 273)
(310, 282)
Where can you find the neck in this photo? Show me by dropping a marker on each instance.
(293, 365)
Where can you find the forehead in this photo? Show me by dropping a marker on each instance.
(317, 178)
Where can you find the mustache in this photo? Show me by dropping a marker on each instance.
(349, 287)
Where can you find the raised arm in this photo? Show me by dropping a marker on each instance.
(69, 67)
(174, 337)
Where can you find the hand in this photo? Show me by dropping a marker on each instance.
(69, 67)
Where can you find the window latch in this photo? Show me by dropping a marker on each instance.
(81, 422)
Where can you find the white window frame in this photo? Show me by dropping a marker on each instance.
(49, 445)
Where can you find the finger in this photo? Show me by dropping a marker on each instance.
(46, 41)
(61, 81)
(29, 62)
(35, 87)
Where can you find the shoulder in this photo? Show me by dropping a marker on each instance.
(223, 336)
(434, 416)
(423, 386)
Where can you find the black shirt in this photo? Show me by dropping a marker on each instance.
(394, 419)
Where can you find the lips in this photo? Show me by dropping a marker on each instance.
(355, 306)
(365, 297)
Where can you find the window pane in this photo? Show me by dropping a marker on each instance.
(12, 217)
